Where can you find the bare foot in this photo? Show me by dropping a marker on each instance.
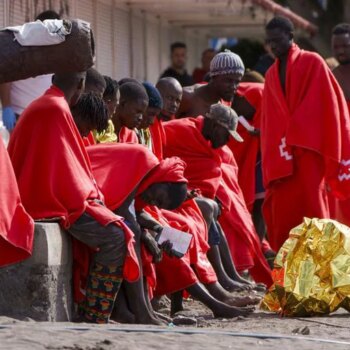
(226, 311)
(150, 319)
(242, 301)
(163, 317)
(235, 286)
(122, 314)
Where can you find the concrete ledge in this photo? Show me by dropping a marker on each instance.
(41, 286)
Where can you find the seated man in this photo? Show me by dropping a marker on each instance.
(111, 98)
(128, 115)
(61, 185)
(171, 92)
(90, 113)
(149, 119)
(151, 132)
(200, 142)
(136, 160)
(208, 208)
(161, 185)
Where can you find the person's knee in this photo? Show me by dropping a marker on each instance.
(208, 207)
(112, 247)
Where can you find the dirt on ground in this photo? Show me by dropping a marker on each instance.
(258, 331)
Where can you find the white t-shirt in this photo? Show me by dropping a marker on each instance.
(23, 92)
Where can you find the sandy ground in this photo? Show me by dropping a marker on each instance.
(217, 334)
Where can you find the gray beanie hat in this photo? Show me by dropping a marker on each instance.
(226, 62)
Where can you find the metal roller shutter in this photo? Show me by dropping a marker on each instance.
(104, 39)
(85, 11)
(122, 43)
(164, 48)
(138, 48)
(19, 12)
(152, 47)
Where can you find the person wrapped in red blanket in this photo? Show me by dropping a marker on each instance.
(210, 165)
(305, 135)
(55, 181)
(128, 115)
(194, 212)
(158, 183)
(16, 226)
(247, 104)
(340, 209)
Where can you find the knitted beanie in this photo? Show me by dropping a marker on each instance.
(226, 62)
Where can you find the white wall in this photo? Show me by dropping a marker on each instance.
(128, 43)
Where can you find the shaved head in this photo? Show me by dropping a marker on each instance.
(128, 80)
(95, 82)
(71, 83)
(133, 91)
(133, 104)
(168, 82)
(171, 92)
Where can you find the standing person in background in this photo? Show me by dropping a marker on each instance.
(177, 69)
(303, 153)
(17, 95)
(341, 52)
(199, 73)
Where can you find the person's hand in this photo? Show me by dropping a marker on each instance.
(255, 132)
(8, 118)
(167, 247)
(193, 194)
(152, 246)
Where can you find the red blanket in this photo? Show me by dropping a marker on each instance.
(187, 218)
(158, 138)
(119, 168)
(296, 120)
(16, 226)
(340, 209)
(246, 153)
(310, 116)
(53, 169)
(214, 172)
(127, 136)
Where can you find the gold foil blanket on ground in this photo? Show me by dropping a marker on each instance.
(312, 270)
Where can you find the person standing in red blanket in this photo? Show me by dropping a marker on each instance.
(305, 135)
(211, 168)
(341, 51)
(61, 185)
(16, 226)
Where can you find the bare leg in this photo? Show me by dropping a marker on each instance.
(218, 308)
(210, 212)
(135, 293)
(121, 312)
(227, 282)
(176, 302)
(258, 219)
(227, 260)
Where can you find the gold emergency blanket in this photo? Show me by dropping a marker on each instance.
(312, 270)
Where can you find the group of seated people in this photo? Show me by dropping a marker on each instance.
(116, 162)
